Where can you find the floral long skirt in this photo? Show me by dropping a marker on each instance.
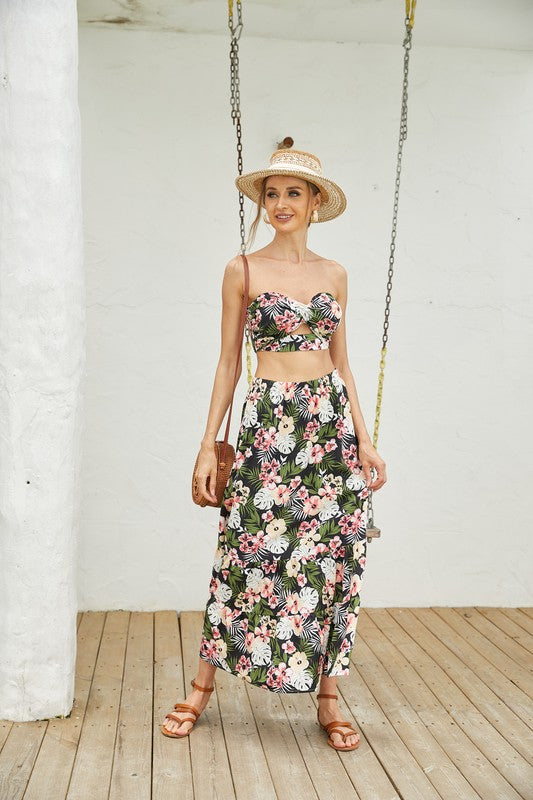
(284, 593)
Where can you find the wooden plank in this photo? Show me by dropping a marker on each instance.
(211, 772)
(326, 770)
(51, 773)
(527, 610)
(518, 616)
(287, 767)
(398, 763)
(513, 672)
(507, 645)
(131, 776)
(18, 757)
(430, 756)
(91, 773)
(396, 651)
(505, 688)
(172, 769)
(508, 626)
(5, 728)
(444, 673)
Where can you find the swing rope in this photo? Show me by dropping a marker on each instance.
(236, 30)
(372, 530)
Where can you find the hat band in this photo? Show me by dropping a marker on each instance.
(293, 168)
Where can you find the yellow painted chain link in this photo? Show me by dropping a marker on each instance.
(410, 6)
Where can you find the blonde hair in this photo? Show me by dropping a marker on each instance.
(260, 205)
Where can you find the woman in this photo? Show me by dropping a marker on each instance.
(284, 593)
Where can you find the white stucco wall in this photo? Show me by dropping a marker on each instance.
(42, 356)
(160, 221)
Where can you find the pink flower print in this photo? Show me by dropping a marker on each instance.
(338, 550)
(269, 566)
(312, 405)
(302, 494)
(248, 640)
(339, 575)
(276, 676)
(310, 430)
(295, 482)
(288, 646)
(355, 584)
(317, 454)
(209, 648)
(297, 624)
(267, 588)
(239, 460)
(352, 523)
(342, 427)
(287, 321)
(281, 495)
(244, 665)
(269, 473)
(267, 516)
(292, 603)
(248, 452)
(216, 632)
(289, 389)
(312, 505)
(301, 579)
(349, 454)
(330, 445)
(278, 411)
(264, 439)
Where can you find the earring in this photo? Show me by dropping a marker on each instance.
(314, 216)
(265, 217)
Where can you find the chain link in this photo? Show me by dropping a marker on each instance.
(402, 137)
(235, 101)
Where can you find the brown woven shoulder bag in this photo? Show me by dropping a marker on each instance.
(224, 451)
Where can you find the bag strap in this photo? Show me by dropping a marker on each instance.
(239, 349)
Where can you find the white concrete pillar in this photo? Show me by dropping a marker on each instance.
(42, 361)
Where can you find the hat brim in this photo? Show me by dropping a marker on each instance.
(333, 200)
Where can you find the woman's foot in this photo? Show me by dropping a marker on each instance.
(328, 710)
(195, 698)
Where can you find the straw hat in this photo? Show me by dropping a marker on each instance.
(302, 165)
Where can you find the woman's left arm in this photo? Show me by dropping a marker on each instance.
(368, 455)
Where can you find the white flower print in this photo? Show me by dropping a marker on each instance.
(325, 409)
(329, 568)
(309, 598)
(263, 499)
(249, 417)
(223, 592)
(213, 613)
(261, 652)
(284, 628)
(254, 579)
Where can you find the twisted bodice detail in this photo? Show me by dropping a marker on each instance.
(272, 318)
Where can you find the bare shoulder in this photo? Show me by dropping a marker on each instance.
(234, 274)
(338, 271)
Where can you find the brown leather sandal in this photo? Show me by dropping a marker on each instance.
(185, 707)
(333, 727)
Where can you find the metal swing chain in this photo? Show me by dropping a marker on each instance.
(372, 531)
(235, 101)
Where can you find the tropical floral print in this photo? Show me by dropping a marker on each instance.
(284, 592)
(272, 318)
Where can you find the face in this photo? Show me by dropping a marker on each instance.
(289, 202)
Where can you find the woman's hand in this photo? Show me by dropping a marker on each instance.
(206, 469)
(369, 457)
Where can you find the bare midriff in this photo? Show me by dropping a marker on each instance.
(303, 365)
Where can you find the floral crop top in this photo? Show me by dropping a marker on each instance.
(272, 317)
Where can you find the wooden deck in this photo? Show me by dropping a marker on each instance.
(441, 697)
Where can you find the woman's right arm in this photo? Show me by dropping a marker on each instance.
(230, 349)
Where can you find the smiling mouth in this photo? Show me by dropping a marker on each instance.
(283, 217)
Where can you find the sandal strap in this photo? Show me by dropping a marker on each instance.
(336, 722)
(187, 707)
(332, 696)
(172, 715)
(201, 688)
(344, 734)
